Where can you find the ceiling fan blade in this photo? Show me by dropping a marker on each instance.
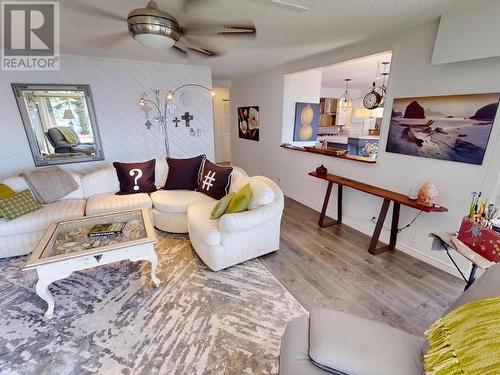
(187, 44)
(179, 51)
(186, 4)
(237, 30)
(246, 30)
(94, 11)
(108, 40)
(285, 4)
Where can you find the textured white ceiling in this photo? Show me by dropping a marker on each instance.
(282, 35)
(361, 72)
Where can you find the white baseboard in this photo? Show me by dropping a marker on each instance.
(384, 237)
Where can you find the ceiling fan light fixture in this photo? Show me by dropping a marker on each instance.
(155, 41)
(153, 27)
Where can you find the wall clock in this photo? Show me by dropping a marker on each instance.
(373, 99)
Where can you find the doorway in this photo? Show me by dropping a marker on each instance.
(222, 142)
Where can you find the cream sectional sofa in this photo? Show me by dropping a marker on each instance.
(169, 209)
(20, 236)
(237, 237)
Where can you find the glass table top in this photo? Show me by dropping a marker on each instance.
(71, 238)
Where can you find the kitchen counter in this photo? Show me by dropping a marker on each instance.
(319, 151)
(344, 139)
(341, 139)
(371, 137)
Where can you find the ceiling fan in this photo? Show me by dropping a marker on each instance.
(284, 4)
(156, 28)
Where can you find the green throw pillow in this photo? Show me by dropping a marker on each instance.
(18, 205)
(6, 191)
(241, 200)
(221, 206)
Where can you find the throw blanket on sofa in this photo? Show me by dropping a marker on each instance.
(68, 134)
(50, 184)
(466, 341)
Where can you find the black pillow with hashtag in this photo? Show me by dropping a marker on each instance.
(214, 180)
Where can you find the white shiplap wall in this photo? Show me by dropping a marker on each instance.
(116, 86)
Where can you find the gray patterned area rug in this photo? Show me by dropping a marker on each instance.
(111, 319)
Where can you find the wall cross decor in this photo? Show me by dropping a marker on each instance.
(176, 121)
(187, 118)
(162, 105)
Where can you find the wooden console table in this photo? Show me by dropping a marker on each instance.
(388, 196)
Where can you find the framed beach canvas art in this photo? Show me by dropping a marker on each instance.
(248, 123)
(306, 122)
(452, 127)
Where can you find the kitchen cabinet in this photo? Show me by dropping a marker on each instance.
(328, 111)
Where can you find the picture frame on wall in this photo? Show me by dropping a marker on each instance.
(450, 127)
(306, 122)
(249, 123)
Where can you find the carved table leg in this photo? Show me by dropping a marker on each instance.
(153, 260)
(149, 255)
(42, 289)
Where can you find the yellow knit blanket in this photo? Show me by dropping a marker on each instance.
(466, 341)
(68, 135)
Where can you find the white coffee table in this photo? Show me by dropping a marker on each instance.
(66, 248)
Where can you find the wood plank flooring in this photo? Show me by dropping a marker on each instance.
(331, 268)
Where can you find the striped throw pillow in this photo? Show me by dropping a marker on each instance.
(18, 205)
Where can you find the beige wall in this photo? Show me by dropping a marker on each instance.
(411, 75)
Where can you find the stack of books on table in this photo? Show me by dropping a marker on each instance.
(105, 230)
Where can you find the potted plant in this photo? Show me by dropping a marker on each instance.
(371, 149)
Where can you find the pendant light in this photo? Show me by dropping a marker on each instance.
(346, 99)
(378, 75)
(385, 74)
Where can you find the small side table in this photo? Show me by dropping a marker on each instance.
(476, 259)
(450, 241)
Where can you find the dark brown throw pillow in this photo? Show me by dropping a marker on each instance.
(214, 180)
(183, 173)
(136, 177)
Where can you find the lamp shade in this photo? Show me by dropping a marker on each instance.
(68, 115)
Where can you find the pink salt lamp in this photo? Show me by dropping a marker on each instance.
(427, 194)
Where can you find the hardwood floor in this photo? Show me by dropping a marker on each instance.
(331, 268)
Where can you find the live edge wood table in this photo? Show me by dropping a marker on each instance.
(388, 197)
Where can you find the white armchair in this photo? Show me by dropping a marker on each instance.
(237, 237)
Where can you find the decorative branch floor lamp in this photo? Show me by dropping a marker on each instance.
(163, 108)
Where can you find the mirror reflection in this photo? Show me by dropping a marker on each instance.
(59, 122)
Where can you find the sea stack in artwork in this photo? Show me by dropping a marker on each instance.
(486, 113)
(414, 110)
